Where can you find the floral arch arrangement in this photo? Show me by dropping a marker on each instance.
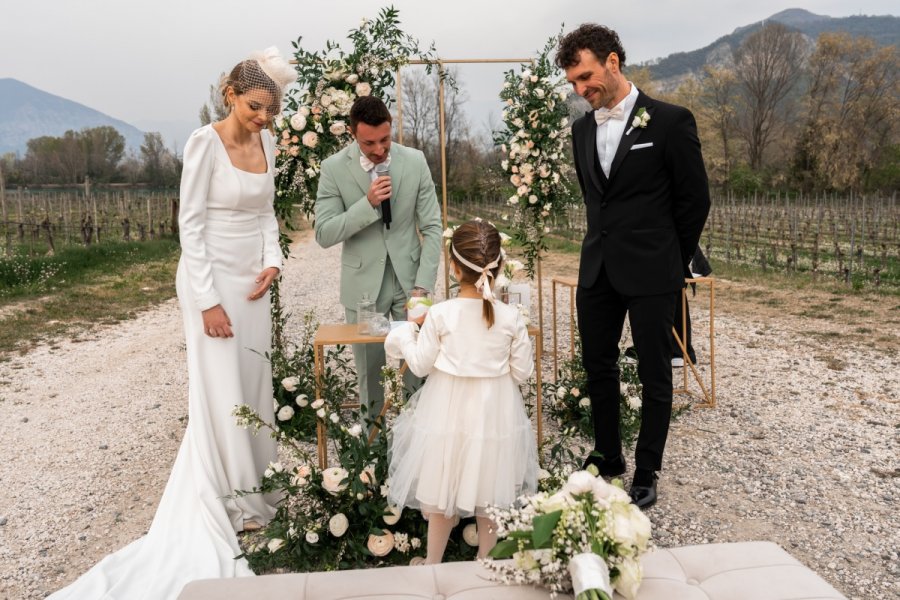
(534, 145)
(315, 123)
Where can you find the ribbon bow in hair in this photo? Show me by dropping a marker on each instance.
(483, 284)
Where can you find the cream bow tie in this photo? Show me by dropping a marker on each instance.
(368, 165)
(602, 115)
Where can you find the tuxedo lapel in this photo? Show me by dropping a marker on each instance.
(589, 154)
(398, 168)
(632, 133)
(359, 175)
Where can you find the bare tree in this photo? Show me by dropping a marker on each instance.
(214, 109)
(717, 99)
(852, 104)
(767, 66)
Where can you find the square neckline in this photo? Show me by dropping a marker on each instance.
(235, 167)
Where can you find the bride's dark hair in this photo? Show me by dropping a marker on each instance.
(479, 243)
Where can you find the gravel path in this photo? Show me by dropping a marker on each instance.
(802, 449)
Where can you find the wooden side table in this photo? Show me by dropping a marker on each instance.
(347, 333)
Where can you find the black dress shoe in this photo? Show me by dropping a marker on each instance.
(644, 496)
(606, 468)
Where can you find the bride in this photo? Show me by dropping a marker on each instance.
(230, 256)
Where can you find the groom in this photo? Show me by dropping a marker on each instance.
(641, 174)
(379, 218)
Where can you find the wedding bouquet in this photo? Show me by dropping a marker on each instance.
(587, 537)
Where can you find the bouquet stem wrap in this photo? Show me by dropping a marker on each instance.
(590, 573)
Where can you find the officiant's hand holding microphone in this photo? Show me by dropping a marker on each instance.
(380, 192)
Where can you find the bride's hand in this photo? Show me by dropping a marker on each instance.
(216, 322)
(264, 282)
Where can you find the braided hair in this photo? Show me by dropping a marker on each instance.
(478, 242)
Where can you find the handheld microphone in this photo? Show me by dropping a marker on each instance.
(382, 169)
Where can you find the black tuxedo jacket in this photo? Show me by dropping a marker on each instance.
(645, 220)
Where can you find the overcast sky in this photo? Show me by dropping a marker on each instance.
(150, 63)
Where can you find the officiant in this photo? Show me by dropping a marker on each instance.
(377, 198)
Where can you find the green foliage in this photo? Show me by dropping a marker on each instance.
(22, 275)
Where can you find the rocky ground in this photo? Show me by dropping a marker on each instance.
(803, 447)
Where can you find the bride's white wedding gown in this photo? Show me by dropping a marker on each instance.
(228, 235)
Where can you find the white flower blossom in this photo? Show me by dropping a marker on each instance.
(274, 545)
(338, 524)
(298, 121)
(285, 413)
(312, 537)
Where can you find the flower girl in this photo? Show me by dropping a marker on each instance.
(466, 442)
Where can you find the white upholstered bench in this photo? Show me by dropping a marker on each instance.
(738, 571)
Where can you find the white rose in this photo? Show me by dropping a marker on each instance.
(557, 501)
(526, 73)
(352, 78)
(338, 128)
(534, 79)
(334, 480)
(579, 482)
(629, 579)
(355, 431)
(320, 413)
(367, 476)
(513, 200)
(303, 110)
(338, 524)
(584, 402)
(312, 537)
(285, 412)
(290, 383)
(623, 530)
(504, 164)
(325, 100)
(380, 545)
(470, 534)
(298, 122)
(275, 544)
(394, 516)
(575, 392)
(543, 474)
(532, 199)
(539, 92)
(560, 392)
(416, 543)
(523, 190)
(310, 139)
(318, 403)
(363, 89)
(302, 400)
(634, 402)
(516, 180)
(334, 417)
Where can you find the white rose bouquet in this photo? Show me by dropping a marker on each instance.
(587, 537)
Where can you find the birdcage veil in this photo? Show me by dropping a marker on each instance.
(263, 71)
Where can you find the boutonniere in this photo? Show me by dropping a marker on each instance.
(640, 120)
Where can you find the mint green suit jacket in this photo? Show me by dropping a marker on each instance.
(344, 215)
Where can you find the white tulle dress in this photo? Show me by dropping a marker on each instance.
(465, 441)
(228, 234)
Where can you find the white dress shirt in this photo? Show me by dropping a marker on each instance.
(610, 133)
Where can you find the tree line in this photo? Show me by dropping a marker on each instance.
(785, 113)
(95, 154)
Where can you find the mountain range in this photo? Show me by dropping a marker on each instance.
(27, 112)
(671, 70)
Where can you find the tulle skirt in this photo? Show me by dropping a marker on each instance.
(463, 444)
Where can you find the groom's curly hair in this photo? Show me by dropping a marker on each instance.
(598, 39)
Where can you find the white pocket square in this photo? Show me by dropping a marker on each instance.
(639, 146)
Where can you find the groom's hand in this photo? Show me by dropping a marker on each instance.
(216, 322)
(379, 191)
